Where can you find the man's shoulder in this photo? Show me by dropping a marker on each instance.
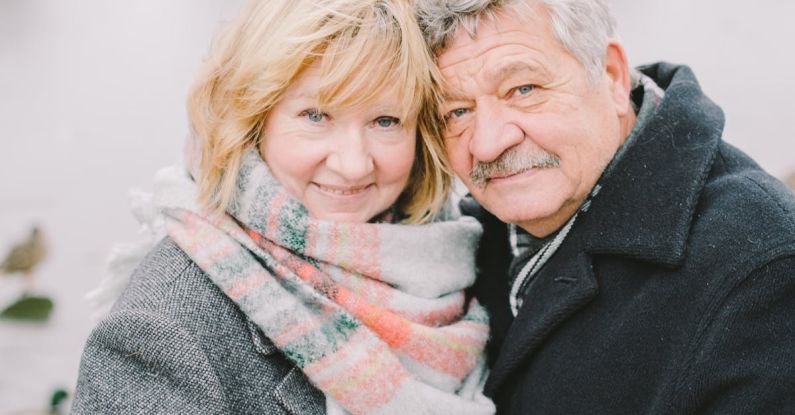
(745, 218)
(739, 191)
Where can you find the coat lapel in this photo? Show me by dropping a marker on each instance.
(552, 298)
(297, 396)
(294, 392)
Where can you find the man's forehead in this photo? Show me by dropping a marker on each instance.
(498, 30)
(490, 75)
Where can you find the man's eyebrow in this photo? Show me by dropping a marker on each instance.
(511, 68)
(454, 96)
(496, 76)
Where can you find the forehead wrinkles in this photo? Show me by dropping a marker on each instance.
(489, 55)
(530, 29)
(486, 72)
(472, 49)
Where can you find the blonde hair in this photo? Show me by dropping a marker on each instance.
(367, 47)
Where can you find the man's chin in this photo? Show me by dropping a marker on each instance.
(517, 214)
(537, 219)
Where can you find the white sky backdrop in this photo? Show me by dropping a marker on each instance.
(92, 102)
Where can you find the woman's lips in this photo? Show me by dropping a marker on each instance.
(342, 191)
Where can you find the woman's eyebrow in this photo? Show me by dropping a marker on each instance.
(302, 94)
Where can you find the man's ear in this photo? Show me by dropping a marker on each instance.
(618, 76)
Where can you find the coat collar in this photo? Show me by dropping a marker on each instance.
(646, 206)
(644, 211)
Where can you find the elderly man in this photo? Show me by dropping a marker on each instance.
(632, 261)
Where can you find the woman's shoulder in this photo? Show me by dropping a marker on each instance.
(171, 310)
(169, 284)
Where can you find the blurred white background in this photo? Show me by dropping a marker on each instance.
(92, 102)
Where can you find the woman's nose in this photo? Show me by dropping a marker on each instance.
(350, 156)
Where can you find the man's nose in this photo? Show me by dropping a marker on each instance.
(495, 131)
(350, 156)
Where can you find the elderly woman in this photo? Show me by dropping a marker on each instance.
(309, 265)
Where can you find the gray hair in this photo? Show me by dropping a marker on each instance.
(583, 27)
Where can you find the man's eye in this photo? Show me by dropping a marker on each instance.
(386, 122)
(456, 113)
(313, 115)
(524, 89)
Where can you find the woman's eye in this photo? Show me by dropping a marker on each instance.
(313, 115)
(524, 89)
(386, 122)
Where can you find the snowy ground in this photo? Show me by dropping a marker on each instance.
(91, 104)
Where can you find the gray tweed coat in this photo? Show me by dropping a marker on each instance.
(175, 344)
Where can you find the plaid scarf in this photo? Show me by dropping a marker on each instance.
(374, 314)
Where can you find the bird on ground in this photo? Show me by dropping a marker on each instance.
(24, 257)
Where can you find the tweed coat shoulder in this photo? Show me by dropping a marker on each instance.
(673, 294)
(175, 344)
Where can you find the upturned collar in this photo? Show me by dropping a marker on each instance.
(657, 183)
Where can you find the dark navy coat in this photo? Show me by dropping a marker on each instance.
(674, 293)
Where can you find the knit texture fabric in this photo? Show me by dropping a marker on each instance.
(374, 314)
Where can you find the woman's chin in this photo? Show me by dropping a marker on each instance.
(360, 216)
(357, 207)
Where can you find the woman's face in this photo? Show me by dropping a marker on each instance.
(348, 165)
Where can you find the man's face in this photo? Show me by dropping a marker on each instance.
(528, 132)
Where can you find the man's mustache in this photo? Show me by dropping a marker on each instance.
(512, 161)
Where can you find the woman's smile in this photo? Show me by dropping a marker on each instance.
(343, 191)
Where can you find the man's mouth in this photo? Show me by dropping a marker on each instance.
(504, 175)
(500, 177)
